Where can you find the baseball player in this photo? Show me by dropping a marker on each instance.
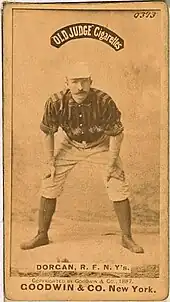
(91, 130)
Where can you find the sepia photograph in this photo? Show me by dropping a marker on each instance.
(86, 151)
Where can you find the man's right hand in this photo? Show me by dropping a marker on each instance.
(49, 168)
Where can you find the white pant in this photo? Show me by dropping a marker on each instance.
(70, 153)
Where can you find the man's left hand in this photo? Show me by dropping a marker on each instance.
(115, 172)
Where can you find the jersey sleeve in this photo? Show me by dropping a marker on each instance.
(112, 124)
(50, 120)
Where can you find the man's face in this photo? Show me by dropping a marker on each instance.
(79, 88)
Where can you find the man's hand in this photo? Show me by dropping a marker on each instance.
(115, 172)
(114, 148)
(49, 168)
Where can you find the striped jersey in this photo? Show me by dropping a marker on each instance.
(88, 121)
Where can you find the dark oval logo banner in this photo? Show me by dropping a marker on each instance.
(86, 30)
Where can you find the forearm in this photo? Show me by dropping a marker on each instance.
(48, 146)
(114, 146)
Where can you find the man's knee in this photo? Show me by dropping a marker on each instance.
(51, 192)
(121, 200)
(50, 195)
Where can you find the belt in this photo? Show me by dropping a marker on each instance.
(84, 141)
(86, 145)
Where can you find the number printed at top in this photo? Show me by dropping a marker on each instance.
(145, 14)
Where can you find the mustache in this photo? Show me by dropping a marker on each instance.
(81, 92)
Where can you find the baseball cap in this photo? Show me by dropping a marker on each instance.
(78, 70)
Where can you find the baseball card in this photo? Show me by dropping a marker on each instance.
(85, 121)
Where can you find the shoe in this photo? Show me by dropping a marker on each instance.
(128, 243)
(39, 240)
(46, 211)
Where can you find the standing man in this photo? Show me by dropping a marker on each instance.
(92, 131)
